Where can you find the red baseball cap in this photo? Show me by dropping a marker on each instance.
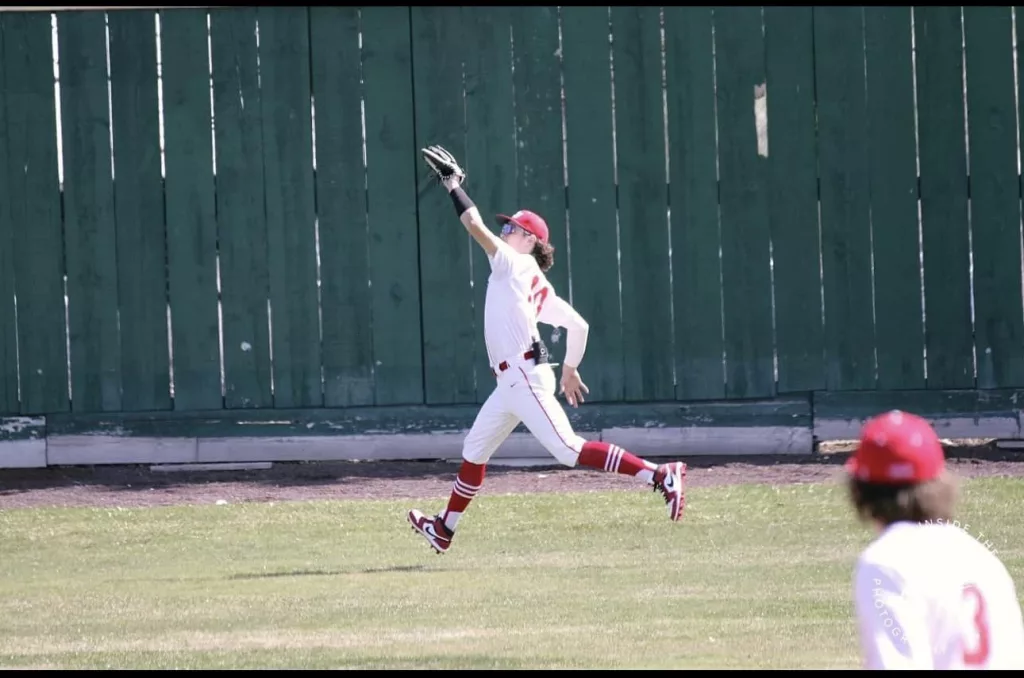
(897, 448)
(528, 221)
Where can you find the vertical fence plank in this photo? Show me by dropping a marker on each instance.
(892, 151)
(746, 273)
(241, 216)
(35, 211)
(490, 147)
(89, 228)
(538, 105)
(449, 339)
(643, 203)
(392, 164)
(940, 110)
(191, 224)
(693, 196)
(139, 212)
(845, 198)
(1019, 52)
(994, 192)
(9, 403)
(291, 231)
(591, 162)
(793, 197)
(341, 207)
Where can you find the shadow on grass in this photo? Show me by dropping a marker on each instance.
(325, 573)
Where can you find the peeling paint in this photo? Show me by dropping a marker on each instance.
(16, 425)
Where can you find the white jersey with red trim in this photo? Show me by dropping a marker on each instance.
(519, 296)
(931, 596)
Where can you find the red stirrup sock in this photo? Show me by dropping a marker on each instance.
(614, 459)
(467, 484)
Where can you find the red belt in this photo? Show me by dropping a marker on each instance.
(503, 365)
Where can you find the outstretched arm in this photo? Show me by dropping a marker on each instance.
(470, 217)
(447, 169)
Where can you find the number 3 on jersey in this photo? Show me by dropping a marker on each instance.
(540, 296)
(976, 649)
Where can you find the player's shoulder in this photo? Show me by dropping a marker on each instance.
(511, 263)
(897, 552)
(919, 551)
(526, 267)
(875, 563)
(507, 250)
(944, 536)
(503, 248)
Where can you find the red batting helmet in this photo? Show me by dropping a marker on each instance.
(528, 221)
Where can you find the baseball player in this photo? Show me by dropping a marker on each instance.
(927, 594)
(518, 297)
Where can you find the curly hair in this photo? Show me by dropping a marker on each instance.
(928, 502)
(544, 254)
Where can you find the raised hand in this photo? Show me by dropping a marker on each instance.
(444, 165)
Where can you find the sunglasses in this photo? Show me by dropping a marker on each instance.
(509, 228)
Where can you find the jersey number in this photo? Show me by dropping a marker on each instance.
(539, 296)
(977, 654)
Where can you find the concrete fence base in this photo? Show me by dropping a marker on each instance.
(774, 427)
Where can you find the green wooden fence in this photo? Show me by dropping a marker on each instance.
(224, 210)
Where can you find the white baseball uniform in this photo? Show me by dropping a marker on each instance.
(518, 297)
(931, 596)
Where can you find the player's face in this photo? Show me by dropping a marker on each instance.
(517, 238)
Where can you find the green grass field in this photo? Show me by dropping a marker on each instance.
(755, 577)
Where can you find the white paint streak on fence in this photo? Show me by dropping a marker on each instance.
(761, 118)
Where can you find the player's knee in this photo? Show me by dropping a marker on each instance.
(567, 452)
(565, 457)
(474, 454)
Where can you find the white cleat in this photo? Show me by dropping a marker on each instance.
(669, 479)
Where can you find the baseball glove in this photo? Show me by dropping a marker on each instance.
(443, 164)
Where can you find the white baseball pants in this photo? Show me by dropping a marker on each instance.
(525, 393)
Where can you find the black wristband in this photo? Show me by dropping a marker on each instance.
(460, 200)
